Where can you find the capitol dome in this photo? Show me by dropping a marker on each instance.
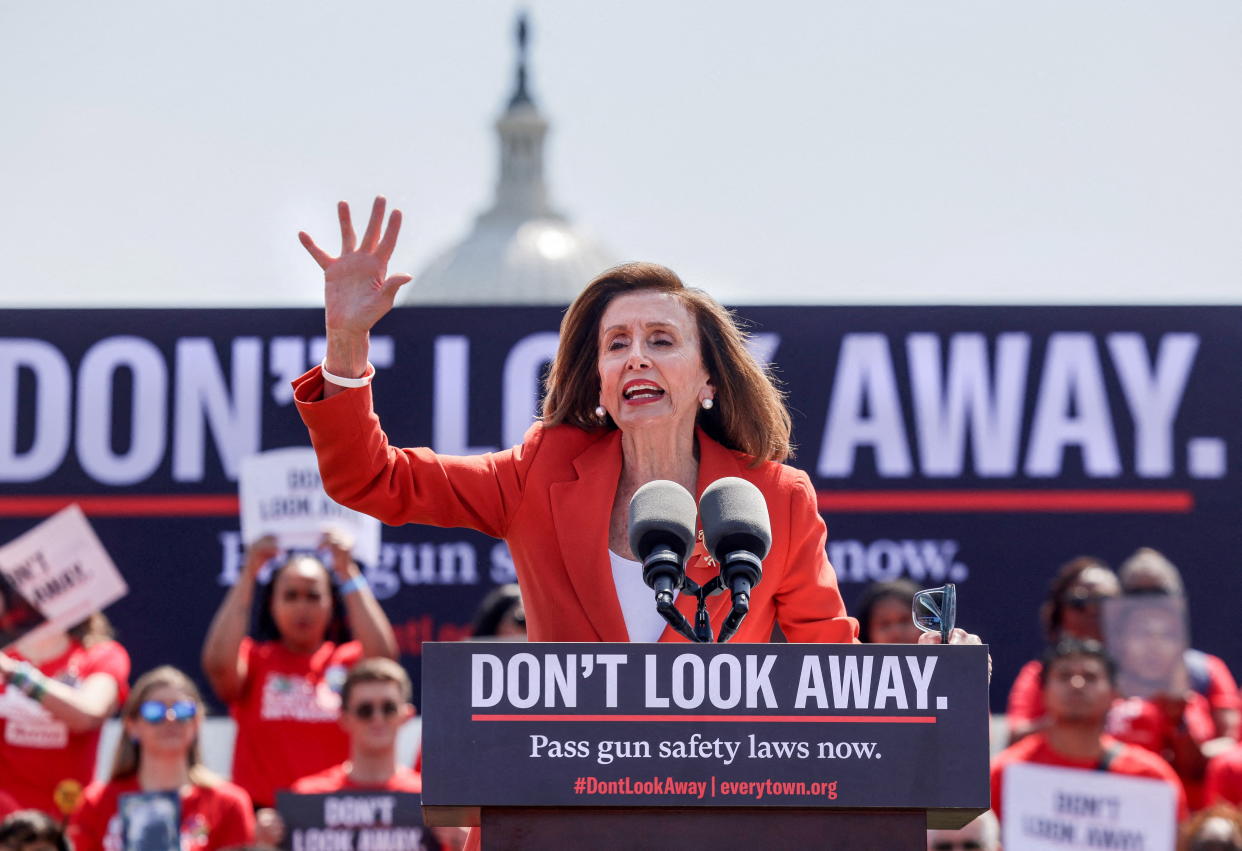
(520, 251)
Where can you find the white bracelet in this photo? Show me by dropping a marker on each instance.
(348, 382)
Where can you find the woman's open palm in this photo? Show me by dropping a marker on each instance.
(357, 288)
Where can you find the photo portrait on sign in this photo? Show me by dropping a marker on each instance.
(1147, 636)
(151, 821)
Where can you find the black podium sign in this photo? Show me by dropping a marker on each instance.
(678, 725)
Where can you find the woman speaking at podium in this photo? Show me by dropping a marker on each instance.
(651, 380)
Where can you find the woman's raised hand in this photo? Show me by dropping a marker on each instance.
(357, 288)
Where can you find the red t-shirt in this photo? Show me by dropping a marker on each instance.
(8, 804)
(336, 779)
(211, 817)
(1131, 761)
(1141, 722)
(1224, 779)
(287, 715)
(38, 753)
(1026, 698)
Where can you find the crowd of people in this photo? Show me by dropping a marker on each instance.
(319, 710)
(1134, 699)
(653, 381)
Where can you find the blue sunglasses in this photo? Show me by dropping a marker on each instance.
(156, 711)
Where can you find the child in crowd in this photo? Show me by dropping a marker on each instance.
(158, 752)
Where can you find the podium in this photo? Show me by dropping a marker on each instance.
(704, 746)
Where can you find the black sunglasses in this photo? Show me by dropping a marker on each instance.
(367, 711)
(1082, 599)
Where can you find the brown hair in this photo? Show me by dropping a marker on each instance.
(376, 670)
(749, 414)
(94, 630)
(1189, 835)
(129, 753)
(1052, 612)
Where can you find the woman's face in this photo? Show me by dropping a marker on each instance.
(302, 603)
(651, 372)
(1080, 605)
(892, 622)
(1152, 644)
(171, 734)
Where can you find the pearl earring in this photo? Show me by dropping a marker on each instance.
(707, 404)
(600, 411)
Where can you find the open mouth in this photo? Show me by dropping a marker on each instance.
(641, 391)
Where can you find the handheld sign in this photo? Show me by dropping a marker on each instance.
(354, 819)
(1064, 808)
(62, 569)
(281, 494)
(1148, 637)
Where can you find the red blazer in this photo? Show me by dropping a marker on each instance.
(551, 499)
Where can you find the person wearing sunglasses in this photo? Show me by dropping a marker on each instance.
(1071, 610)
(159, 752)
(283, 685)
(982, 834)
(375, 703)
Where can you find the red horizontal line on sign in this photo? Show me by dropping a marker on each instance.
(145, 505)
(1009, 501)
(801, 719)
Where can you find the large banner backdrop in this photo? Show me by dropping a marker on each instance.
(979, 445)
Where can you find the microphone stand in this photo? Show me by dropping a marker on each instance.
(701, 632)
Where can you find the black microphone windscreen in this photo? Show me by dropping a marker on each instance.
(734, 510)
(662, 512)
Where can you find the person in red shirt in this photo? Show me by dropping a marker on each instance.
(283, 689)
(158, 752)
(375, 703)
(1071, 610)
(1148, 572)
(1078, 689)
(56, 691)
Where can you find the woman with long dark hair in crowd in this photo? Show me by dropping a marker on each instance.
(58, 689)
(1071, 610)
(159, 752)
(885, 613)
(282, 686)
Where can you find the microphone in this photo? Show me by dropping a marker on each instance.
(738, 534)
(662, 517)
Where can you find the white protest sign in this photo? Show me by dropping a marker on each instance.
(281, 494)
(1048, 807)
(63, 570)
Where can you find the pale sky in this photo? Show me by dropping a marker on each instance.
(867, 151)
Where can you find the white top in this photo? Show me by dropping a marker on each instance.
(642, 621)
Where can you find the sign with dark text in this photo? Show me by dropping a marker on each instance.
(978, 445)
(1050, 808)
(353, 821)
(783, 725)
